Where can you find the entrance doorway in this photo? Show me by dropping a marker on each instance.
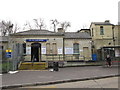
(35, 52)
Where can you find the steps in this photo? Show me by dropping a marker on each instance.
(33, 66)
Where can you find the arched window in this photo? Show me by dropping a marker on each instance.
(101, 30)
(76, 48)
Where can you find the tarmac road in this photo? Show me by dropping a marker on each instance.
(111, 82)
(24, 78)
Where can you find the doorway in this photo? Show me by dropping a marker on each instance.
(86, 53)
(35, 52)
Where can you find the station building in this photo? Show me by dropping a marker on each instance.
(104, 34)
(44, 45)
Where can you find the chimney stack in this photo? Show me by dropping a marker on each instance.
(107, 21)
(60, 30)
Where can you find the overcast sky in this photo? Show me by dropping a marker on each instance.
(80, 13)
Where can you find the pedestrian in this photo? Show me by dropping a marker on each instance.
(108, 59)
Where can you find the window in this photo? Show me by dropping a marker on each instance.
(76, 48)
(24, 48)
(101, 30)
(92, 32)
(48, 48)
(17, 48)
(54, 47)
(1, 47)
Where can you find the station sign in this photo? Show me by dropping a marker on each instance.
(36, 40)
(8, 53)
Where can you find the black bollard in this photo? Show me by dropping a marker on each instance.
(55, 66)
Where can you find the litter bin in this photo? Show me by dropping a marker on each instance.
(55, 66)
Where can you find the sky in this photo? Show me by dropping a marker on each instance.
(80, 13)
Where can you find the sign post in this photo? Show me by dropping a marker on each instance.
(8, 55)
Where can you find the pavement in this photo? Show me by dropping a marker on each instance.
(45, 77)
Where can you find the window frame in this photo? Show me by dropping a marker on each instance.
(101, 30)
(76, 48)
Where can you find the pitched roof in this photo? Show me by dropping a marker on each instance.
(101, 23)
(70, 35)
(75, 35)
(37, 32)
(85, 29)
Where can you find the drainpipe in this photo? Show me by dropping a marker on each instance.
(63, 49)
(113, 35)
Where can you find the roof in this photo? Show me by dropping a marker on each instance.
(38, 32)
(101, 23)
(78, 35)
(85, 29)
(71, 35)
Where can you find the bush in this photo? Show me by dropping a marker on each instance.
(6, 66)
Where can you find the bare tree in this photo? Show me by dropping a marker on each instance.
(7, 27)
(15, 28)
(39, 23)
(27, 25)
(55, 23)
(65, 25)
(3, 29)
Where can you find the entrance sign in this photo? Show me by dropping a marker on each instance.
(28, 50)
(43, 50)
(36, 40)
(68, 50)
(59, 50)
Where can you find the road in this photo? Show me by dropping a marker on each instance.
(97, 83)
(65, 74)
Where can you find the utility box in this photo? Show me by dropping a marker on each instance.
(94, 57)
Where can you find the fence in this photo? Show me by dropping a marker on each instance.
(114, 52)
(70, 57)
(12, 63)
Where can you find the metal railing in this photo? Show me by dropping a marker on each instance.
(8, 64)
(70, 57)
